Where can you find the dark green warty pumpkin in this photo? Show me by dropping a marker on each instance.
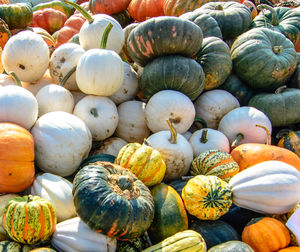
(111, 200)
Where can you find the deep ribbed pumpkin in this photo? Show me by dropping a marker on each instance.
(163, 36)
(141, 10)
(29, 219)
(111, 200)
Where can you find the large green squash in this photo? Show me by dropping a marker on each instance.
(170, 216)
(263, 58)
(231, 246)
(111, 200)
(282, 107)
(173, 72)
(163, 36)
(214, 57)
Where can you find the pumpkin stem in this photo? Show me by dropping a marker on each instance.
(201, 121)
(67, 76)
(237, 140)
(125, 183)
(282, 133)
(104, 38)
(84, 13)
(275, 19)
(280, 89)
(173, 138)
(219, 7)
(94, 112)
(277, 49)
(268, 133)
(203, 138)
(15, 78)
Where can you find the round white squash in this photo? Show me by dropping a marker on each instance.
(100, 114)
(132, 125)
(77, 95)
(110, 146)
(169, 105)
(6, 80)
(26, 54)
(17, 105)
(62, 141)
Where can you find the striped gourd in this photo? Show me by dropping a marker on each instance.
(207, 197)
(14, 247)
(143, 161)
(215, 162)
(185, 241)
(29, 219)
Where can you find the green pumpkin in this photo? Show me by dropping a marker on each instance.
(96, 158)
(170, 216)
(163, 36)
(127, 31)
(214, 57)
(57, 5)
(173, 72)
(233, 18)
(282, 107)
(230, 246)
(281, 19)
(11, 246)
(111, 200)
(263, 58)
(18, 15)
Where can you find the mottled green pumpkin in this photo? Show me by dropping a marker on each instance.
(263, 58)
(215, 162)
(11, 246)
(231, 246)
(111, 200)
(170, 216)
(163, 36)
(173, 72)
(207, 197)
(281, 107)
(290, 140)
(214, 57)
(29, 219)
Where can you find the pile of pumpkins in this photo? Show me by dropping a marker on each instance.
(149, 125)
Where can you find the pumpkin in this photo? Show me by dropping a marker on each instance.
(178, 184)
(173, 72)
(207, 197)
(123, 18)
(107, 6)
(215, 162)
(5, 33)
(111, 145)
(187, 240)
(214, 57)
(50, 41)
(56, 5)
(252, 7)
(147, 41)
(144, 161)
(14, 246)
(281, 107)
(294, 82)
(29, 219)
(135, 245)
(229, 246)
(123, 208)
(43, 249)
(170, 215)
(263, 58)
(290, 249)
(254, 188)
(142, 10)
(266, 234)
(290, 140)
(127, 31)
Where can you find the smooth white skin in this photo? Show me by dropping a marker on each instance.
(111, 145)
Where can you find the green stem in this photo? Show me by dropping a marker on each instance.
(94, 112)
(15, 78)
(237, 140)
(201, 121)
(104, 38)
(203, 138)
(84, 13)
(67, 76)
(173, 139)
(275, 19)
(280, 89)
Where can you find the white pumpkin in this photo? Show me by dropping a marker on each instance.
(242, 122)
(62, 60)
(17, 105)
(58, 190)
(208, 139)
(90, 34)
(6, 80)
(169, 105)
(62, 141)
(54, 98)
(187, 135)
(110, 146)
(129, 88)
(132, 125)
(212, 105)
(74, 235)
(77, 95)
(100, 114)
(100, 72)
(26, 54)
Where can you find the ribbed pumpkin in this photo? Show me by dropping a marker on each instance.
(144, 161)
(163, 36)
(5, 33)
(141, 10)
(206, 197)
(230, 246)
(266, 234)
(107, 6)
(29, 219)
(290, 140)
(215, 162)
(111, 200)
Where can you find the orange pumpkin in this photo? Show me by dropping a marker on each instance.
(140, 10)
(16, 158)
(4, 2)
(251, 7)
(290, 249)
(5, 33)
(108, 6)
(266, 234)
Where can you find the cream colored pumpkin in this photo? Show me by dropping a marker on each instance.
(212, 105)
(6, 80)
(26, 54)
(111, 145)
(62, 60)
(54, 98)
(187, 135)
(77, 95)
(100, 72)
(58, 190)
(100, 114)
(62, 141)
(169, 105)
(132, 125)
(17, 105)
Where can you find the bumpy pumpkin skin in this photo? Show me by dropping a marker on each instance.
(291, 141)
(207, 197)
